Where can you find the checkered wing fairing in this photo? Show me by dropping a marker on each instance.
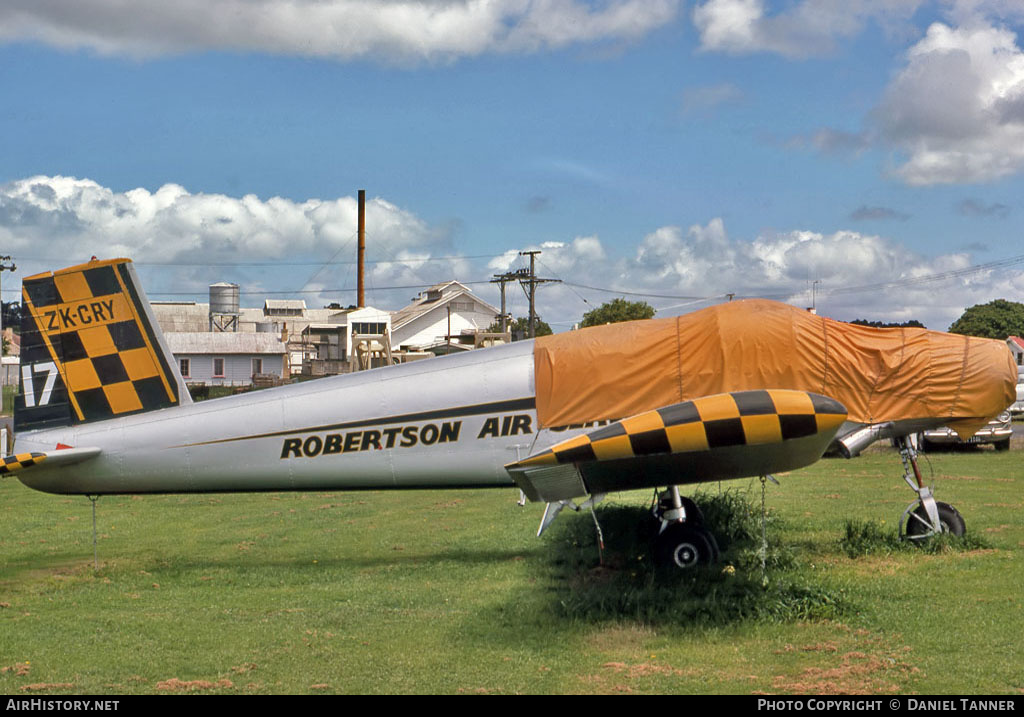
(10, 464)
(89, 349)
(729, 435)
(60, 457)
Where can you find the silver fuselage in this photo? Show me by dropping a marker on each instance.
(442, 422)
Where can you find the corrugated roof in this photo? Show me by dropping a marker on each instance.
(206, 342)
(176, 316)
(285, 304)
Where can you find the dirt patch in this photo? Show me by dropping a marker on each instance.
(621, 677)
(449, 504)
(479, 691)
(644, 669)
(875, 566)
(858, 673)
(176, 685)
(41, 686)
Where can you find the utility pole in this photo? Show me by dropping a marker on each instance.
(3, 268)
(361, 250)
(531, 292)
(501, 280)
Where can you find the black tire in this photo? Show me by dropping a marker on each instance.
(1002, 445)
(715, 552)
(949, 518)
(682, 546)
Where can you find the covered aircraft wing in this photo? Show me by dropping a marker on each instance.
(617, 370)
(730, 435)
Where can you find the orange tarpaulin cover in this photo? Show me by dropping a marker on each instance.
(619, 370)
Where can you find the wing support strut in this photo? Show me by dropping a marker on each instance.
(552, 510)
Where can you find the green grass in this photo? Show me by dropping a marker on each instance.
(448, 592)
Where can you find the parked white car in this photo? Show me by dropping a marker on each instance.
(1018, 406)
(998, 432)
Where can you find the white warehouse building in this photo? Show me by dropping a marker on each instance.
(443, 310)
(228, 359)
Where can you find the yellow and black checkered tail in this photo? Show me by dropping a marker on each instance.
(90, 348)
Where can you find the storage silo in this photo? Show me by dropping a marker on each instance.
(224, 311)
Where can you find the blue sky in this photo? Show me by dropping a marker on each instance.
(668, 150)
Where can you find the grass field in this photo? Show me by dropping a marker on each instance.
(449, 592)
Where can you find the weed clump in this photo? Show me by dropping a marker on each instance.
(749, 582)
(871, 537)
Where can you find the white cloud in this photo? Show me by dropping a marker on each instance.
(802, 29)
(955, 113)
(48, 222)
(674, 268)
(391, 30)
(65, 215)
(183, 241)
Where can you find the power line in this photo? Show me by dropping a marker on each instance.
(635, 293)
(304, 291)
(912, 281)
(251, 264)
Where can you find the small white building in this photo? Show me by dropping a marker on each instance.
(228, 358)
(1016, 344)
(439, 313)
(339, 338)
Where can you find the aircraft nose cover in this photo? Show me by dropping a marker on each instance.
(879, 375)
(711, 438)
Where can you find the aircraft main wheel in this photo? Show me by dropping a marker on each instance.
(684, 546)
(949, 518)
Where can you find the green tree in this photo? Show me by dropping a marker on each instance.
(995, 320)
(616, 310)
(520, 328)
(912, 323)
(11, 314)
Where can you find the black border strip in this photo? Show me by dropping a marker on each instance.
(140, 310)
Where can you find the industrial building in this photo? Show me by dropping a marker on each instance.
(222, 343)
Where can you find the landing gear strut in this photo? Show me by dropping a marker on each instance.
(924, 517)
(682, 541)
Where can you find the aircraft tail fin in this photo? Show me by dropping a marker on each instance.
(91, 348)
